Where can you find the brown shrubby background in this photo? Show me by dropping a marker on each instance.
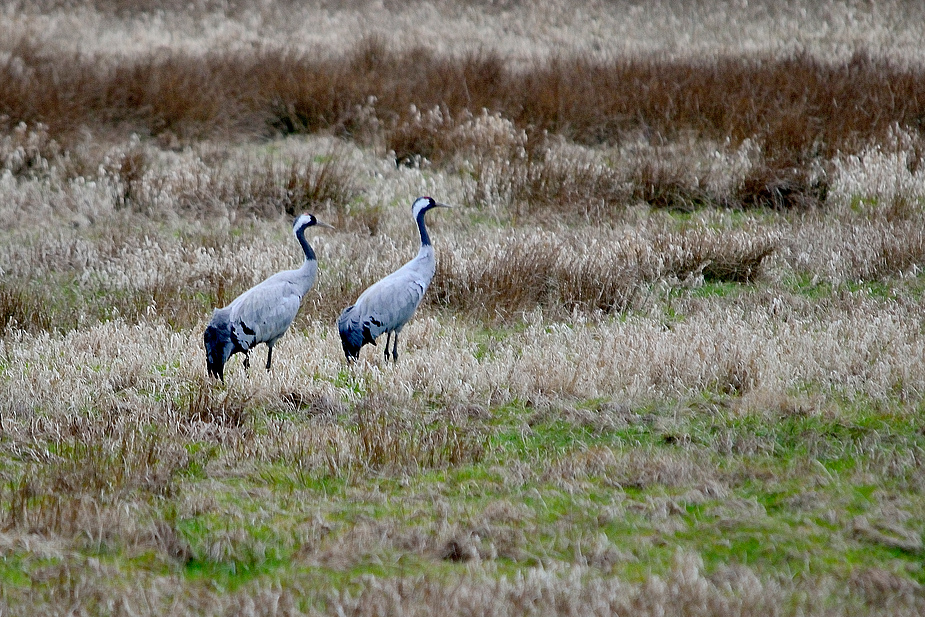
(672, 360)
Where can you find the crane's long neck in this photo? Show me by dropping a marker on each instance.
(305, 275)
(425, 239)
(425, 257)
(306, 247)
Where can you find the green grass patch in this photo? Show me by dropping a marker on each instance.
(717, 288)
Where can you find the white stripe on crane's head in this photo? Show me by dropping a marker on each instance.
(304, 220)
(420, 204)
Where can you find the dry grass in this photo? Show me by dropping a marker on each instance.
(589, 271)
(671, 362)
(796, 107)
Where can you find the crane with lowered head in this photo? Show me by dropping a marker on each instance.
(387, 305)
(263, 313)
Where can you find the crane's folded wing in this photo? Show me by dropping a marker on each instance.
(391, 304)
(264, 313)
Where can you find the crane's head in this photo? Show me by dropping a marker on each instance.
(305, 221)
(218, 343)
(423, 204)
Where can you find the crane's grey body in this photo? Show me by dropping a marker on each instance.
(263, 313)
(387, 305)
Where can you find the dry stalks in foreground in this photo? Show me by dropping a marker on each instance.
(387, 444)
(687, 590)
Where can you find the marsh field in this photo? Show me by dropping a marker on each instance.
(672, 361)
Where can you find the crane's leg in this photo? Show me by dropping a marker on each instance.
(388, 337)
(269, 355)
(247, 359)
(394, 349)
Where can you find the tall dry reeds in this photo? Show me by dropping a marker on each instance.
(796, 107)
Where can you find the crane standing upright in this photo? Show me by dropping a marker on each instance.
(263, 313)
(387, 305)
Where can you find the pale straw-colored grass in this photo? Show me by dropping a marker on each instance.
(518, 30)
(589, 384)
(856, 346)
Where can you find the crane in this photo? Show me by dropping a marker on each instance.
(263, 313)
(388, 304)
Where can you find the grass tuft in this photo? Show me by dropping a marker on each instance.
(210, 403)
(385, 442)
(663, 186)
(766, 186)
(21, 309)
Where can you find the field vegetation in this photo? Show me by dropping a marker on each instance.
(672, 361)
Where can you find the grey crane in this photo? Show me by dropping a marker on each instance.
(263, 313)
(390, 302)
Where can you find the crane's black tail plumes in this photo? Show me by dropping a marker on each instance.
(353, 334)
(218, 344)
